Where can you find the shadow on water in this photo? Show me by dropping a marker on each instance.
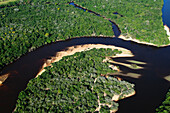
(151, 87)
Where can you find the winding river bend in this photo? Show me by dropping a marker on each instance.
(151, 87)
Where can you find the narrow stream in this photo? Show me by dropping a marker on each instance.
(151, 87)
(115, 27)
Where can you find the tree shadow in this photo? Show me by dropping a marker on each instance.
(150, 88)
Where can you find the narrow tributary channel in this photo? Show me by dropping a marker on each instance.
(151, 87)
(115, 27)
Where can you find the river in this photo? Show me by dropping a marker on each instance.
(151, 87)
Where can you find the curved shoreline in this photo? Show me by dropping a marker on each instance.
(73, 49)
(79, 48)
(70, 50)
(61, 54)
(29, 65)
(166, 28)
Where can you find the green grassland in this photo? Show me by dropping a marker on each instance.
(75, 84)
(142, 19)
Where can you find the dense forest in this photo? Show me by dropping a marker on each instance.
(28, 24)
(26, 27)
(77, 83)
(139, 19)
(32, 23)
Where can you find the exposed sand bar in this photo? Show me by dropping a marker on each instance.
(73, 49)
(70, 51)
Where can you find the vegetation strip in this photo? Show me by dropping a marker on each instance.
(6, 1)
(115, 27)
(10, 3)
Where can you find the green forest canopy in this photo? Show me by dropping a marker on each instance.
(34, 23)
(75, 84)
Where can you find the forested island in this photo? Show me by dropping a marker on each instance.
(80, 82)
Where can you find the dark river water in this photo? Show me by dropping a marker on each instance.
(151, 87)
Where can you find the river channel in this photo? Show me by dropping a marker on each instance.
(151, 87)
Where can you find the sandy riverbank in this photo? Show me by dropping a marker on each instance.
(73, 49)
(147, 43)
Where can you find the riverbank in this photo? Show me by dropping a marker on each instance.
(63, 28)
(142, 22)
(18, 37)
(72, 50)
(28, 29)
(127, 38)
(79, 82)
